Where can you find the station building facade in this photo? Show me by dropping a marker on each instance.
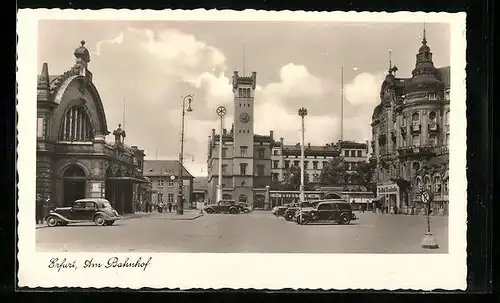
(73, 158)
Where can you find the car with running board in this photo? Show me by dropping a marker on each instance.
(95, 210)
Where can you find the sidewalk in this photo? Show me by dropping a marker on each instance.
(404, 215)
(189, 214)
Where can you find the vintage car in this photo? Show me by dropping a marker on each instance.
(244, 208)
(293, 209)
(98, 211)
(279, 211)
(336, 210)
(224, 206)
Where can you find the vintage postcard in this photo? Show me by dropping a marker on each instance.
(254, 149)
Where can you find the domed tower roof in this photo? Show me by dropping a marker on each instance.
(425, 76)
(82, 52)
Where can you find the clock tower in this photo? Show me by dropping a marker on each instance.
(243, 166)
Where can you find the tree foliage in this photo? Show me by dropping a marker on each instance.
(334, 173)
(291, 178)
(364, 175)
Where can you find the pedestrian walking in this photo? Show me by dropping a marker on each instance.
(169, 206)
(39, 209)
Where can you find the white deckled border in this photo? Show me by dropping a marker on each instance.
(258, 271)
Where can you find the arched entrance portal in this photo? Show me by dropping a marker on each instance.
(119, 191)
(73, 184)
(258, 201)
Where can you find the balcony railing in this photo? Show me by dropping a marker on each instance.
(416, 150)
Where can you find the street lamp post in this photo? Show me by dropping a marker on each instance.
(221, 111)
(302, 114)
(180, 204)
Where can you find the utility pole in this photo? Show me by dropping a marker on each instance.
(221, 111)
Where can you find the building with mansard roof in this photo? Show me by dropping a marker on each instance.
(411, 130)
(73, 159)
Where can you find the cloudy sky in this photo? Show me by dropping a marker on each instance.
(148, 66)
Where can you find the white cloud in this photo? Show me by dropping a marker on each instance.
(364, 89)
(152, 70)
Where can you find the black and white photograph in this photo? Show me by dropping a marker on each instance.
(187, 141)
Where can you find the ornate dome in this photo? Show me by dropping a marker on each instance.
(82, 52)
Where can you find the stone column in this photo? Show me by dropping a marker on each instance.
(266, 201)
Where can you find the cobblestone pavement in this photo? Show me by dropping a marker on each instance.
(257, 232)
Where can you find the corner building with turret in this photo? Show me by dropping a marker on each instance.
(411, 130)
(246, 157)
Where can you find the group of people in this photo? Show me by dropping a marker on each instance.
(148, 206)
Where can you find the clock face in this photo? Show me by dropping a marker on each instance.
(244, 118)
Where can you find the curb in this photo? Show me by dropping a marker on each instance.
(184, 219)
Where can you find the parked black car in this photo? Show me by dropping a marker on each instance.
(291, 211)
(339, 211)
(224, 206)
(98, 211)
(279, 211)
(244, 208)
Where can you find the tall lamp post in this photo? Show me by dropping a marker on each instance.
(221, 112)
(302, 114)
(180, 202)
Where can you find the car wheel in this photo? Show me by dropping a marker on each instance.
(344, 219)
(288, 217)
(99, 220)
(52, 221)
(208, 211)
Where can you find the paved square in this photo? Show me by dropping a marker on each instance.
(257, 232)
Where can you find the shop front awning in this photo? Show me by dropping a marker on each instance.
(133, 179)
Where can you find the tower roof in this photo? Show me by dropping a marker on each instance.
(82, 52)
(43, 85)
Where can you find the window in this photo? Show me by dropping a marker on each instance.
(433, 140)
(415, 140)
(326, 206)
(275, 152)
(240, 92)
(432, 117)
(243, 151)
(276, 164)
(170, 198)
(296, 163)
(315, 164)
(243, 168)
(415, 118)
(79, 205)
(170, 182)
(447, 95)
(353, 153)
(224, 168)
(432, 96)
(427, 183)
(360, 153)
(419, 183)
(287, 164)
(274, 177)
(260, 153)
(447, 139)
(76, 126)
(346, 153)
(41, 127)
(447, 118)
(89, 205)
(416, 166)
(224, 152)
(437, 184)
(325, 163)
(306, 164)
(260, 170)
(160, 183)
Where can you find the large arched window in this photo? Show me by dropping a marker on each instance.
(415, 118)
(76, 126)
(437, 183)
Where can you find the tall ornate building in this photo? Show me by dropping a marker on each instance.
(411, 129)
(246, 157)
(73, 160)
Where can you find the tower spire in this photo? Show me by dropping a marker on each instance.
(424, 40)
(43, 87)
(244, 57)
(390, 60)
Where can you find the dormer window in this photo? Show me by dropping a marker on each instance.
(433, 96)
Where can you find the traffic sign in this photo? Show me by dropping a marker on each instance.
(426, 196)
